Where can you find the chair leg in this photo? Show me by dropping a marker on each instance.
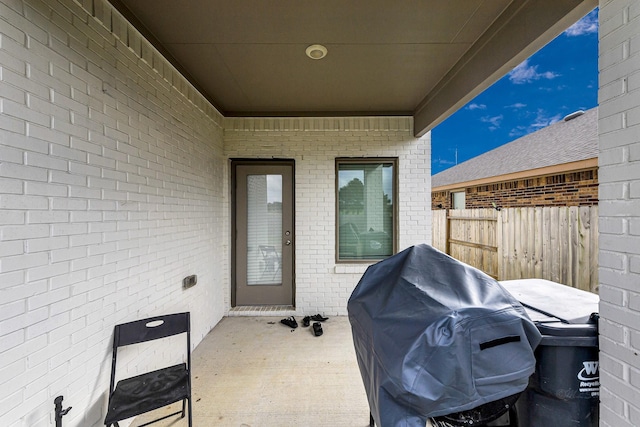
(190, 418)
(184, 401)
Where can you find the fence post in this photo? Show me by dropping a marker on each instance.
(447, 232)
(553, 243)
(500, 245)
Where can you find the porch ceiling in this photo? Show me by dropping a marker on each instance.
(424, 58)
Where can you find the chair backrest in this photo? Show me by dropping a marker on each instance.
(150, 329)
(269, 252)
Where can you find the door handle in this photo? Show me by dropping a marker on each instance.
(288, 242)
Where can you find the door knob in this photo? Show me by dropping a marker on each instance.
(288, 242)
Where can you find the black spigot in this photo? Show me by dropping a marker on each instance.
(59, 411)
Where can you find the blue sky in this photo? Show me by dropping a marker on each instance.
(559, 79)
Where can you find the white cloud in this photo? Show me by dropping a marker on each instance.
(517, 105)
(525, 73)
(494, 121)
(587, 25)
(444, 162)
(518, 131)
(541, 120)
(475, 106)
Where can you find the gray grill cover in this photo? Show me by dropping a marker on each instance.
(434, 336)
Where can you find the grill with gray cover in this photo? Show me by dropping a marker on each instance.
(434, 336)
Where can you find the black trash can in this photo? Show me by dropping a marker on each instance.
(565, 388)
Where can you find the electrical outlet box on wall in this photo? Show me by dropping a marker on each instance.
(189, 281)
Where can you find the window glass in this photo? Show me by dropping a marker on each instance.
(458, 200)
(366, 214)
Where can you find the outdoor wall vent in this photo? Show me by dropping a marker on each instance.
(573, 115)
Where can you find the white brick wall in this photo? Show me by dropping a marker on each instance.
(619, 128)
(111, 191)
(114, 186)
(314, 143)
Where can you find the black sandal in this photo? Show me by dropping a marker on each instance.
(317, 329)
(319, 318)
(306, 321)
(290, 322)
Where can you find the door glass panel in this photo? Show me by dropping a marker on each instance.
(264, 229)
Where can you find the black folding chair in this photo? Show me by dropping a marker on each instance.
(271, 260)
(152, 390)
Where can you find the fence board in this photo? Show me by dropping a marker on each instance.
(546, 240)
(472, 238)
(583, 280)
(439, 234)
(553, 243)
(498, 243)
(593, 249)
(574, 245)
(538, 232)
(555, 246)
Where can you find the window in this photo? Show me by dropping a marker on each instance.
(366, 213)
(457, 200)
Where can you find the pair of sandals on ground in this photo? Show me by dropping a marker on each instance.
(317, 327)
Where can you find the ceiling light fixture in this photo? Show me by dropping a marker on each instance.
(316, 51)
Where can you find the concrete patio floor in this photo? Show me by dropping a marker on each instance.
(256, 372)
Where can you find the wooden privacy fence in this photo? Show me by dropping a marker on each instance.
(553, 243)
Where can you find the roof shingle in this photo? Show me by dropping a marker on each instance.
(562, 142)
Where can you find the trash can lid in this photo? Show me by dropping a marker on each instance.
(544, 299)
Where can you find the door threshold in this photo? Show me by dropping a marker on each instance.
(262, 310)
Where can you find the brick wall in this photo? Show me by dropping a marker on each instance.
(114, 186)
(619, 161)
(568, 189)
(314, 143)
(111, 177)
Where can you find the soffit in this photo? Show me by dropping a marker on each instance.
(248, 57)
